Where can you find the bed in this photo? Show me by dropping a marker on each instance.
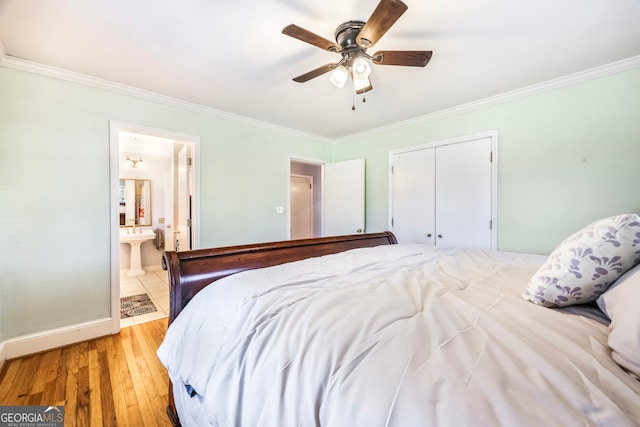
(362, 331)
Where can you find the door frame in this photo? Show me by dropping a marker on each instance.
(115, 127)
(492, 135)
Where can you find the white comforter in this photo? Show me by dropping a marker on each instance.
(402, 335)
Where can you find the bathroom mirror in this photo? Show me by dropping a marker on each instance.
(135, 202)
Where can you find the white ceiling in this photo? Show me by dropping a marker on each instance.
(231, 56)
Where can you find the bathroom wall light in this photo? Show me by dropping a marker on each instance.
(134, 163)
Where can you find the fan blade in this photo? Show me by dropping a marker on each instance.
(315, 73)
(311, 38)
(386, 14)
(411, 58)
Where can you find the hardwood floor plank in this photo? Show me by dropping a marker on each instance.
(59, 382)
(72, 356)
(148, 350)
(7, 379)
(110, 381)
(126, 383)
(138, 383)
(156, 392)
(106, 396)
(95, 389)
(34, 399)
(82, 407)
(27, 374)
(40, 378)
(116, 379)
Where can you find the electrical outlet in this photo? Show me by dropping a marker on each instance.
(279, 209)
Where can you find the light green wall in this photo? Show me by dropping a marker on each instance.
(566, 157)
(55, 192)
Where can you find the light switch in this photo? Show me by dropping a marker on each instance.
(279, 209)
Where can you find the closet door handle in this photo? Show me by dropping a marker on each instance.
(439, 236)
(429, 235)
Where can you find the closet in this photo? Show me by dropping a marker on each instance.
(444, 194)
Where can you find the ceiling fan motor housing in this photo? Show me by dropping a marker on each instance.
(346, 34)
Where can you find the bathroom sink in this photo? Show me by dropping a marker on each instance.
(135, 239)
(139, 235)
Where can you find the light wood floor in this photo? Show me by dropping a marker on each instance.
(111, 381)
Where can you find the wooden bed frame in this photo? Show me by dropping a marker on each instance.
(191, 271)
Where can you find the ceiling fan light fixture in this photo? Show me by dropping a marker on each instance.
(362, 85)
(361, 68)
(339, 76)
(353, 38)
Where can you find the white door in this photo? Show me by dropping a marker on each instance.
(463, 194)
(343, 198)
(301, 188)
(183, 235)
(169, 242)
(413, 217)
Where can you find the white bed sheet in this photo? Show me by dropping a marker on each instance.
(401, 335)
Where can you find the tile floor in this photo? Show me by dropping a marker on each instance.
(156, 284)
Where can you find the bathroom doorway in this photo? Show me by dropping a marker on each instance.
(162, 216)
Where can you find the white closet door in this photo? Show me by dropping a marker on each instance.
(413, 194)
(463, 194)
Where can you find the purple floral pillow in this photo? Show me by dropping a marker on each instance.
(587, 263)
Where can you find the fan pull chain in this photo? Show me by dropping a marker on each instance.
(353, 106)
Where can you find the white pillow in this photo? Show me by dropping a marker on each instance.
(620, 303)
(587, 263)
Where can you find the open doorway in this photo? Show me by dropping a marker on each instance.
(305, 199)
(162, 216)
(336, 202)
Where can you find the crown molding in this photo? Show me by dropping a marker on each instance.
(568, 80)
(15, 63)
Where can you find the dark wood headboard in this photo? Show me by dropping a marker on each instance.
(191, 271)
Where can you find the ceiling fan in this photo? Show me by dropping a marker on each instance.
(353, 38)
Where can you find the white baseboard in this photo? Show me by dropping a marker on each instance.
(3, 356)
(54, 338)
